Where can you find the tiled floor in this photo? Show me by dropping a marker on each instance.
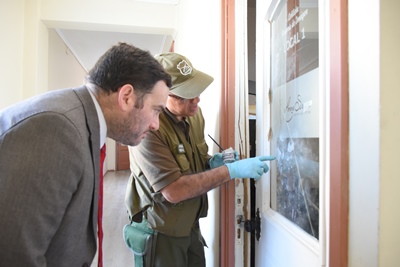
(115, 252)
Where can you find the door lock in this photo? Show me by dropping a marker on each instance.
(253, 225)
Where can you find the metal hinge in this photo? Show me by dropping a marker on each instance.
(269, 134)
(270, 95)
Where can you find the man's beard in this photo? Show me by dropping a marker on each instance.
(123, 132)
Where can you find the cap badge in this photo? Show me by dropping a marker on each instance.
(184, 68)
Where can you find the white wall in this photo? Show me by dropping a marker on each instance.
(364, 145)
(374, 235)
(65, 70)
(198, 37)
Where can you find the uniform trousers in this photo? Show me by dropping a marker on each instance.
(180, 251)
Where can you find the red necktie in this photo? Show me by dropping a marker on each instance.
(100, 207)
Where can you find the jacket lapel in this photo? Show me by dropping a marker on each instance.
(93, 126)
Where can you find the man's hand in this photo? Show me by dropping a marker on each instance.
(217, 160)
(249, 168)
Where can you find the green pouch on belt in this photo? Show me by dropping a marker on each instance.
(141, 240)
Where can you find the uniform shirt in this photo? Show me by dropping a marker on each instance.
(159, 160)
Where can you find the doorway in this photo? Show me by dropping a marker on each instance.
(253, 153)
(251, 52)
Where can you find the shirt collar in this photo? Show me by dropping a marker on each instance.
(102, 120)
(173, 117)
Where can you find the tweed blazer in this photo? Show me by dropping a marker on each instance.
(49, 169)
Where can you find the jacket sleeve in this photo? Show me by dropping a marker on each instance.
(41, 167)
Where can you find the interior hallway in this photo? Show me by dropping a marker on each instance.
(115, 252)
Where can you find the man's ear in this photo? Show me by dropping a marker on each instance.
(126, 97)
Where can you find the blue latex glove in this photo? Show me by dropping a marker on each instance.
(249, 168)
(217, 161)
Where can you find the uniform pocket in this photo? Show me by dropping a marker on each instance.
(183, 162)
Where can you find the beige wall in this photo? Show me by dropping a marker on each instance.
(389, 217)
(11, 51)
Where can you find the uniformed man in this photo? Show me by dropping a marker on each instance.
(172, 171)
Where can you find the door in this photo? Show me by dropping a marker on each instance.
(291, 126)
(122, 157)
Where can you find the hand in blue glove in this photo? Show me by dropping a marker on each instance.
(217, 160)
(249, 168)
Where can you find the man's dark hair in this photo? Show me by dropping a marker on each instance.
(126, 64)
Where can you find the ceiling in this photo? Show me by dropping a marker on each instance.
(89, 46)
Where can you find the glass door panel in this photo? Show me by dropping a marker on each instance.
(295, 111)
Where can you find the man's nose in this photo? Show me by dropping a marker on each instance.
(196, 99)
(155, 124)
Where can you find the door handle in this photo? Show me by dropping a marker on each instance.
(253, 225)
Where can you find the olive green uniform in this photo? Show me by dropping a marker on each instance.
(177, 148)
